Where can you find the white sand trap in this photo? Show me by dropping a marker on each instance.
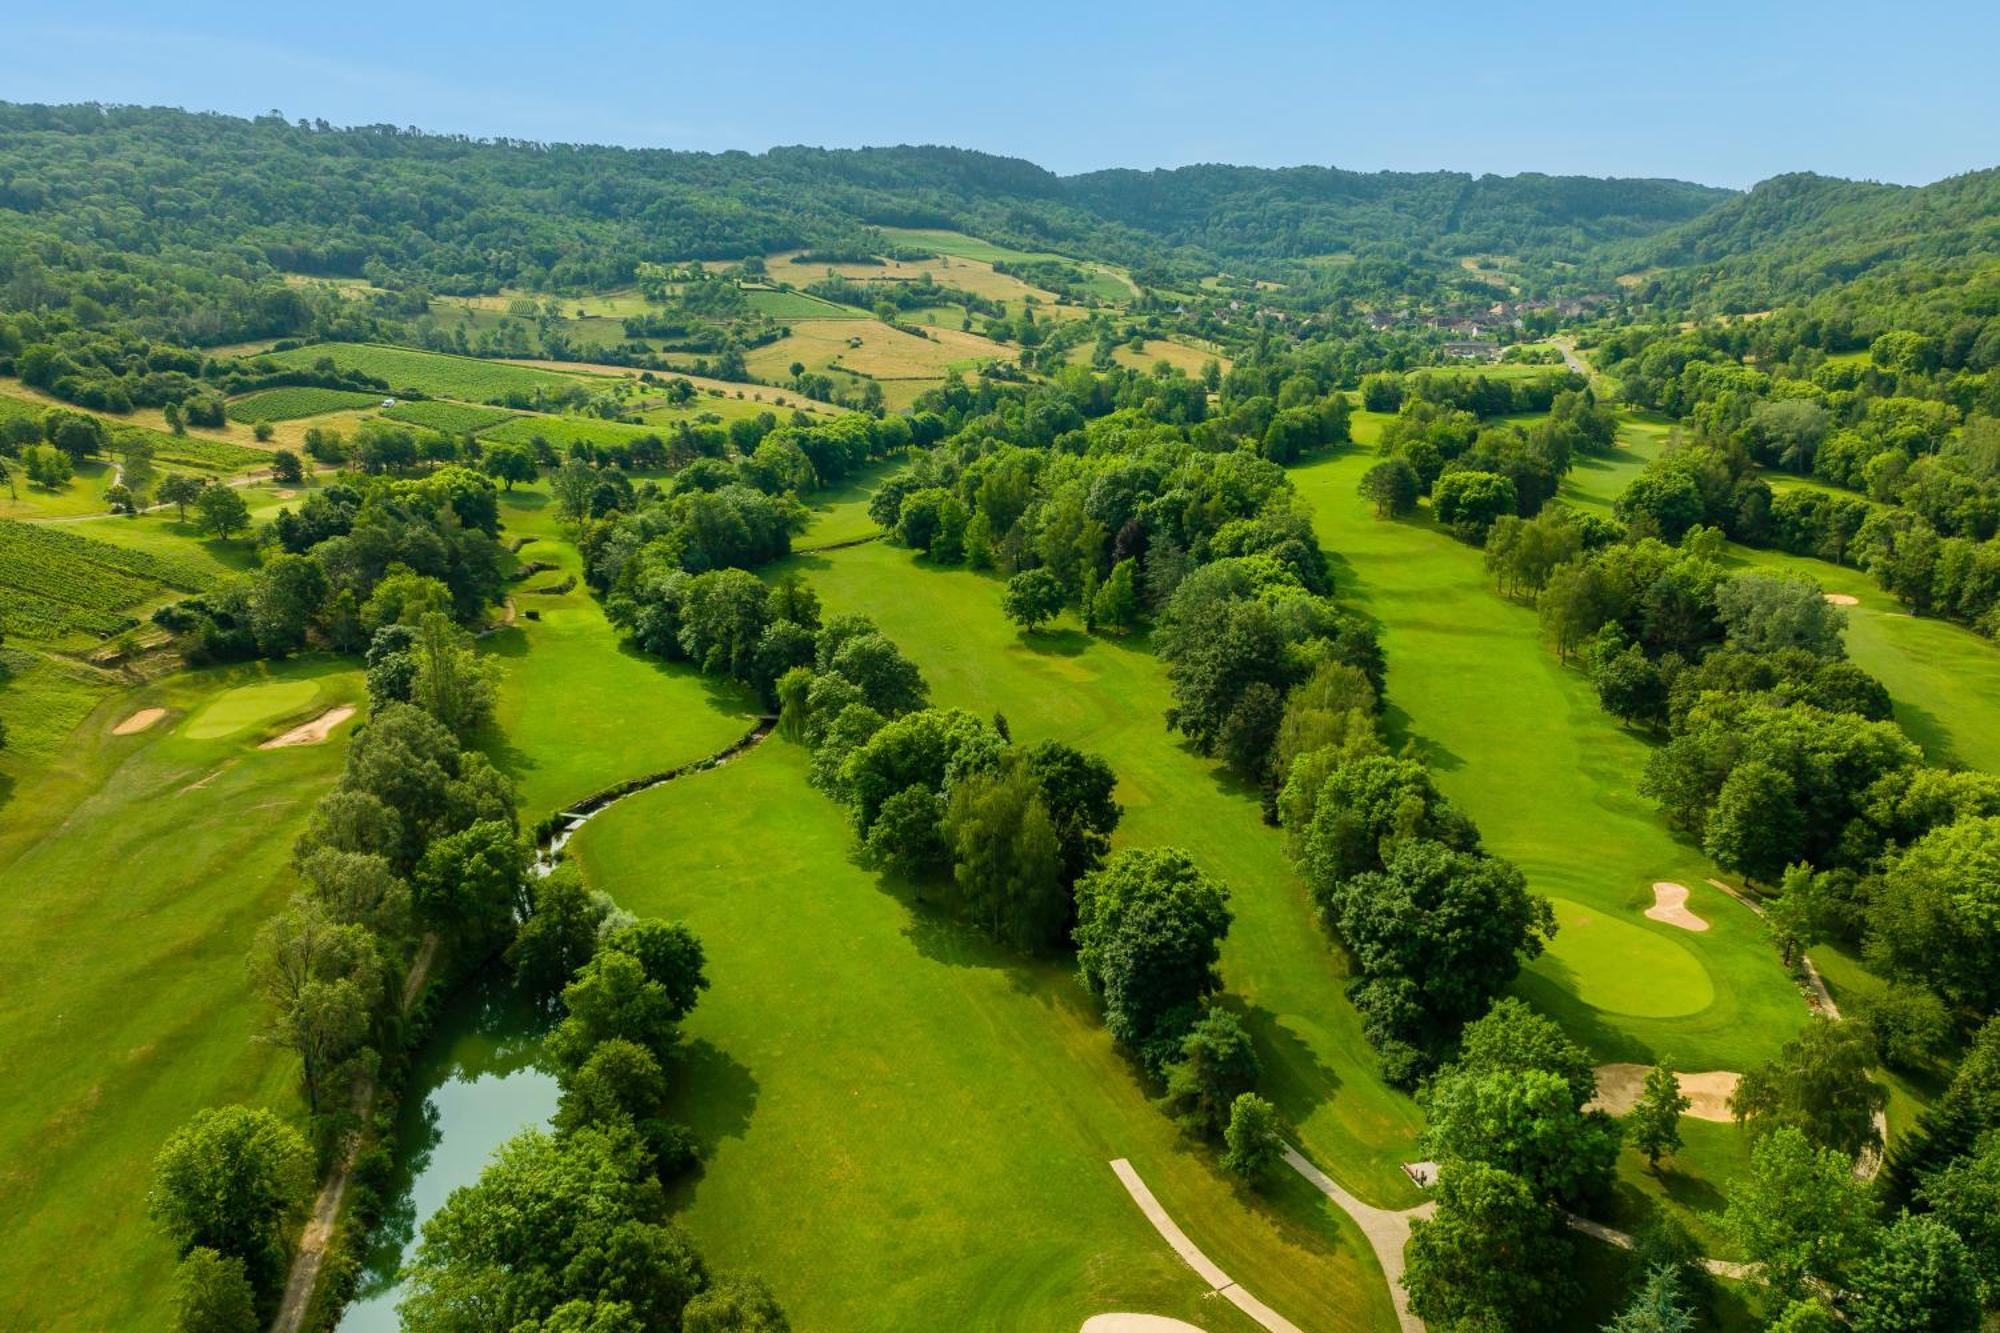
(313, 732)
(1841, 599)
(139, 721)
(1670, 905)
(1619, 1087)
(1136, 1323)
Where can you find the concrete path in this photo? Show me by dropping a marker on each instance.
(1388, 1231)
(1191, 1254)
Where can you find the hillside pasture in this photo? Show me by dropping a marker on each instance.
(780, 305)
(1103, 281)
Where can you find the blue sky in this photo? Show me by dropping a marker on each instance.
(1727, 94)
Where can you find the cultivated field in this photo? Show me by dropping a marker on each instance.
(436, 374)
(288, 404)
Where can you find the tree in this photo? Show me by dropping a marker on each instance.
(1964, 1194)
(671, 957)
(220, 510)
(1252, 1144)
(1469, 502)
(1658, 1307)
(1756, 826)
(1917, 1278)
(1148, 936)
(1654, 1124)
(1800, 1213)
(559, 935)
(1217, 1065)
(572, 485)
(908, 838)
(1491, 1256)
(229, 1181)
(1033, 596)
(1631, 689)
(1935, 916)
(735, 1305)
(181, 490)
(1116, 605)
(1766, 613)
(212, 1294)
(578, 1216)
(285, 598)
(1525, 1122)
(1435, 934)
(453, 683)
(1392, 486)
(286, 468)
(1007, 858)
(1077, 791)
(322, 979)
(1511, 1037)
(621, 1083)
(47, 467)
(510, 462)
(472, 882)
(1818, 1084)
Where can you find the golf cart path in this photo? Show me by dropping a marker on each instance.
(1220, 1282)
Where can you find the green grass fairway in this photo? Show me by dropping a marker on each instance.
(1519, 740)
(1614, 966)
(1108, 697)
(247, 705)
(910, 1128)
(579, 709)
(134, 873)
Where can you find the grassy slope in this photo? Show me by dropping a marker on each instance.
(128, 900)
(581, 710)
(910, 1127)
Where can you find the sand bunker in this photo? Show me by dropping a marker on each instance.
(1841, 599)
(1670, 906)
(313, 732)
(139, 721)
(1619, 1087)
(1136, 1323)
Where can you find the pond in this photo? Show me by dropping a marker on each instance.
(474, 1086)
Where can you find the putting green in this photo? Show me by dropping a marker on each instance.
(247, 705)
(1621, 968)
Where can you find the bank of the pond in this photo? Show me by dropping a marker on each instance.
(475, 1086)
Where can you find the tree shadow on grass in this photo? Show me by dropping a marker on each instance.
(1056, 642)
(1550, 988)
(1400, 729)
(716, 1093)
(1931, 735)
(1296, 1080)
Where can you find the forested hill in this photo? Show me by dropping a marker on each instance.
(455, 214)
(1303, 211)
(1796, 235)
